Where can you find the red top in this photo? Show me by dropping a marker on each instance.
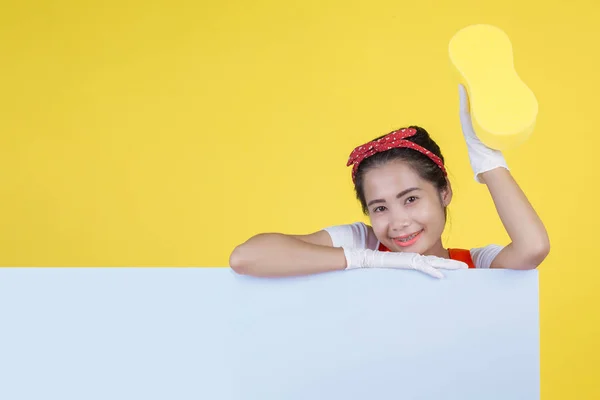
(455, 254)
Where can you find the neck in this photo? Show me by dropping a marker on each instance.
(438, 250)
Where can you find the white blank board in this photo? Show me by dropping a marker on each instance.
(207, 333)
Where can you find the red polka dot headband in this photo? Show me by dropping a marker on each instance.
(395, 139)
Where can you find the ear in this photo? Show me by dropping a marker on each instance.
(446, 195)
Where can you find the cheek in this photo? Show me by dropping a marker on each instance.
(430, 214)
(379, 226)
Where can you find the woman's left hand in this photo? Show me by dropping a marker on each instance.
(482, 158)
(529, 240)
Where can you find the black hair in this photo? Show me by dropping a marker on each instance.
(420, 163)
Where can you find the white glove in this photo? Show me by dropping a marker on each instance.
(482, 158)
(366, 258)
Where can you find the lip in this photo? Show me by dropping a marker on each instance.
(410, 242)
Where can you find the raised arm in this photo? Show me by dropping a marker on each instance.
(529, 240)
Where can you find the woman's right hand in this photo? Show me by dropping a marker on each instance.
(430, 265)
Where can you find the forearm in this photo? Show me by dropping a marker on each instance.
(275, 254)
(530, 243)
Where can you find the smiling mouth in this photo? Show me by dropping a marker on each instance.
(408, 240)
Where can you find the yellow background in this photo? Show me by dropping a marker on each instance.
(164, 133)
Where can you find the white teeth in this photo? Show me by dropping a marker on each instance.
(406, 239)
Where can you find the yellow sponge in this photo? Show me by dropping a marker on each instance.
(503, 109)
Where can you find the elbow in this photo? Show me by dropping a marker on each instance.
(238, 261)
(537, 254)
(542, 250)
(249, 257)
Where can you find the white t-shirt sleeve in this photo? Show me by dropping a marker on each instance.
(356, 235)
(483, 256)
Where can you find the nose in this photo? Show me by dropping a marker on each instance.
(399, 220)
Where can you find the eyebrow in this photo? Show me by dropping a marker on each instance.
(402, 193)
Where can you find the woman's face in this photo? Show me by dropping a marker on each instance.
(406, 211)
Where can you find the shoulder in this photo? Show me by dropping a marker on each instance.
(355, 235)
(483, 256)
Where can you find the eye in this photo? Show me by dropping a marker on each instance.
(411, 199)
(379, 209)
